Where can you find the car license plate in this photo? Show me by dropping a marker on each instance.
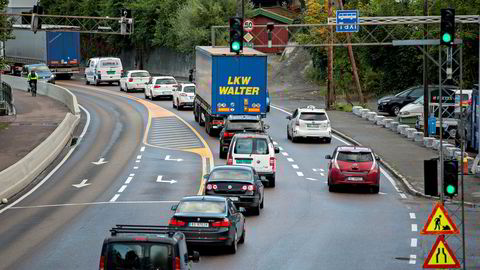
(355, 178)
(111, 72)
(312, 126)
(198, 224)
(243, 161)
(235, 199)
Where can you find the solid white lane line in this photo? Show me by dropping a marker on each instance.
(285, 154)
(390, 179)
(412, 259)
(132, 174)
(67, 156)
(412, 216)
(290, 159)
(122, 188)
(115, 197)
(129, 179)
(295, 166)
(299, 173)
(414, 227)
(413, 242)
(91, 203)
(139, 157)
(403, 196)
(142, 149)
(135, 168)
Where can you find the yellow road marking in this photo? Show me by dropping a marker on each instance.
(155, 111)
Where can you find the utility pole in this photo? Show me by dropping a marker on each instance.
(425, 75)
(330, 83)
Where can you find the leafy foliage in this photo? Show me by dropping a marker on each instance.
(4, 24)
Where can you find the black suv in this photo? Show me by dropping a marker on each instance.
(145, 247)
(239, 123)
(393, 104)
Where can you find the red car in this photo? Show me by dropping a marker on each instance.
(352, 165)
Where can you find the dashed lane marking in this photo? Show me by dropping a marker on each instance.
(382, 193)
(285, 154)
(91, 203)
(139, 157)
(413, 242)
(129, 179)
(115, 197)
(132, 174)
(295, 166)
(122, 188)
(413, 259)
(142, 149)
(414, 227)
(412, 216)
(300, 173)
(135, 168)
(290, 159)
(137, 161)
(322, 174)
(311, 179)
(403, 196)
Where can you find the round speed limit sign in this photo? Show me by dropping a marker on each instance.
(248, 26)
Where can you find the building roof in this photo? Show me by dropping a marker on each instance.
(275, 13)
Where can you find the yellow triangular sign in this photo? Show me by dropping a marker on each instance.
(441, 256)
(439, 222)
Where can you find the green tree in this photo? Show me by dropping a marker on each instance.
(5, 25)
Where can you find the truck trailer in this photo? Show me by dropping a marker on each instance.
(60, 51)
(228, 84)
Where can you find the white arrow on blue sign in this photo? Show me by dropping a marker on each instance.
(349, 18)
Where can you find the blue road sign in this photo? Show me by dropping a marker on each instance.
(348, 17)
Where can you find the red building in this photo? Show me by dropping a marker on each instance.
(280, 36)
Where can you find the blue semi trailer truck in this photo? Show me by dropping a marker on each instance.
(227, 83)
(60, 51)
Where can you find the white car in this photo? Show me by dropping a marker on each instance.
(161, 86)
(309, 122)
(256, 150)
(184, 95)
(103, 69)
(134, 80)
(413, 109)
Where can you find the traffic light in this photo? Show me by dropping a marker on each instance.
(447, 26)
(450, 178)
(236, 34)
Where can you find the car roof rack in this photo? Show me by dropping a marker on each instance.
(147, 229)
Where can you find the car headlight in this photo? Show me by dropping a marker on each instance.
(384, 101)
(53, 76)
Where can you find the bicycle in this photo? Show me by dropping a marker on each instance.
(33, 88)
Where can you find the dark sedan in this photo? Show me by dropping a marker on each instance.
(209, 221)
(239, 183)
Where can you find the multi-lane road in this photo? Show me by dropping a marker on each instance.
(135, 158)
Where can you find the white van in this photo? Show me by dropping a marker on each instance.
(103, 69)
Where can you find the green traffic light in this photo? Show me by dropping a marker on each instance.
(446, 37)
(236, 46)
(450, 189)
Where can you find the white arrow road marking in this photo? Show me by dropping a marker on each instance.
(159, 180)
(312, 179)
(100, 162)
(82, 184)
(168, 158)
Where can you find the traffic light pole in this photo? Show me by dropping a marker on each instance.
(440, 116)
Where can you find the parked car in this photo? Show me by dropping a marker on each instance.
(239, 123)
(239, 183)
(160, 86)
(413, 109)
(134, 80)
(309, 122)
(256, 150)
(145, 247)
(103, 69)
(209, 221)
(352, 165)
(183, 96)
(42, 70)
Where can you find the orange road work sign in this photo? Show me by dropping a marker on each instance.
(441, 256)
(439, 222)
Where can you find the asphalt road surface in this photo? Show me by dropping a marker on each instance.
(148, 169)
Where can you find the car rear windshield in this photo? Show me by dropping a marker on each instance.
(231, 174)
(109, 63)
(244, 125)
(311, 116)
(189, 89)
(250, 146)
(355, 156)
(40, 68)
(166, 81)
(140, 74)
(201, 207)
(139, 256)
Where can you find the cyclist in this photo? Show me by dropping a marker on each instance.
(32, 80)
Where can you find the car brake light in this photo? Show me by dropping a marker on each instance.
(230, 161)
(209, 187)
(102, 263)
(217, 122)
(297, 123)
(224, 223)
(228, 134)
(273, 163)
(130, 80)
(214, 187)
(176, 265)
(140, 238)
(251, 187)
(244, 187)
(156, 86)
(176, 223)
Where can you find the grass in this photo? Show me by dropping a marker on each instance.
(345, 107)
(3, 125)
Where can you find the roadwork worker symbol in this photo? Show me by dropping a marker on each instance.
(439, 222)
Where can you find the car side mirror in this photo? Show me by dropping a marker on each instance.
(277, 150)
(195, 257)
(242, 210)
(174, 207)
(328, 157)
(289, 117)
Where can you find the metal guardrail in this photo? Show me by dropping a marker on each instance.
(6, 99)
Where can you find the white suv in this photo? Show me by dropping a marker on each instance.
(160, 86)
(256, 150)
(183, 96)
(309, 122)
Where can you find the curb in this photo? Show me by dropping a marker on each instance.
(403, 179)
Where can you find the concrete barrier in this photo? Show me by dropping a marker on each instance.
(393, 126)
(379, 119)
(364, 113)
(418, 136)
(401, 129)
(409, 132)
(371, 116)
(436, 144)
(387, 122)
(428, 142)
(445, 146)
(450, 151)
(16, 177)
(356, 109)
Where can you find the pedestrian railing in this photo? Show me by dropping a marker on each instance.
(6, 99)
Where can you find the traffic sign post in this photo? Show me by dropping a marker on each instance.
(248, 26)
(348, 17)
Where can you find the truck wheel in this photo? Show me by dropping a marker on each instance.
(271, 181)
(223, 155)
(201, 119)
(195, 113)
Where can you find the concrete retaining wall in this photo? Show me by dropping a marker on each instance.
(19, 175)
